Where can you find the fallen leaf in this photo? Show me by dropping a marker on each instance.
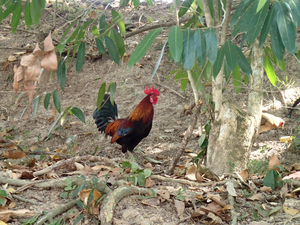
(290, 211)
(230, 189)
(285, 139)
(259, 223)
(274, 161)
(244, 174)
(164, 194)
(4, 214)
(180, 206)
(84, 194)
(215, 219)
(191, 172)
(266, 189)
(12, 58)
(149, 183)
(292, 176)
(151, 202)
(258, 197)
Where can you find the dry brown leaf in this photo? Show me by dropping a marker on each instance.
(103, 173)
(216, 198)
(215, 219)
(200, 197)
(33, 72)
(164, 194)
(31, 94)
(197, 214)
(295, 175)
(149, 183)
(28, 60)
(259, 223)
(15, 176)
(12, 205)
(14, 155)
(84, 194)
(12, 58)
(29, 85)
(179, 170)
(49, 61)
(180, 206)
(38, 52)
(149, 166)
(151, 202)
(120, 222)
(48, 44)
(274, 161)
(213, 206)
(227, 207)
(20, 73)
(290, 211)
(266, 189)
(92, 14)
(191, 172)
(100, 167)
(258, 197)
(114, 171)
(244, 174)
(4, 214)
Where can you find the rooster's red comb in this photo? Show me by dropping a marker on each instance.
(149, 90)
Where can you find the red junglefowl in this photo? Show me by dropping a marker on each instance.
(269, 122)
(129, 131)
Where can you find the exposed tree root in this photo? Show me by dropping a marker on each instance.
(50, 215)
(25, 200)
(75, 159)
(109, 204)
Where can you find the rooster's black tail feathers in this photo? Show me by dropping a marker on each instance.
(295, 104)
(106, 114)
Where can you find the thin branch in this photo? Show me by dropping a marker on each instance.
(162, 85)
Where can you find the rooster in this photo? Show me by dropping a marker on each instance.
(269, 122)
(127, 132)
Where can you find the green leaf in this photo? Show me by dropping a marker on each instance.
(270, 179)
(184, 7)
(237, 79)
(188, 54)
(141, 179)
(126, 164)
(56, 100)
(73, 35)
(95, 31)
(27, 15)
(200, 46)
(295, 10)
(35, 104)
(281, 64)
(102, 23)
(16, 17)
(36, 10)
(230, 54)
(184, 83)
(150, 2)
(64, 115)
(80, 56)
(277, 45)
(219, 62)
(242, 61)
(175, 40)
(86, 24)
(134, 167)
(118, 19)
(270, 71)
(201, 140)
(101, 94)
(80, 217)
(3, 193)
(100, 46)
(47, 100)
(78, 113)
(112, 90)
(123, 3)
(136, 3)
(227, 71)
(240, 10)
(61, 74)
(261, 4)
(147, 173)
(143, 46)
(117, 38)
(112, 49)
(266, 28)
(286, 27)
(211, 44)
(257, 23)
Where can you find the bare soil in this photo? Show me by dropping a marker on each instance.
(169, 122)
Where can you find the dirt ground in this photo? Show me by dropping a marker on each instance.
(164, 139)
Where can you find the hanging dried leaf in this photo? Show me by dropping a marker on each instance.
(48, 45)
(20, 73)
(49, 61)
(29, 85)
(38, 52)
(31, 94)
(28, 60)
(33, 72)
(274, 161)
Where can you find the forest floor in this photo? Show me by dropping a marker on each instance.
(164, 140)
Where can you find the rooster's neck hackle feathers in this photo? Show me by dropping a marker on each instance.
(144, 110)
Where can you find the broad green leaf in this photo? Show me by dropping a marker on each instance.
(286, 27)
(200, 46)
(27, 15)
(61, 74)
(199, 85)
(188, 54)
(56, 100)
(73, 35)
(141, 179)
(207, 71)
(123, 3)
(118, 41)
(86, 24)
(211, 44)
(143, 46)
(237, 79)
(266, 28)
(95, 31)
(126, 164)
(270, 179)
(112, 49)
(64, 115)
(295, 10)
(242, 61)
(150, 2)
(134, 167)
(9, 9)
(257, 23)
(35, 104)
(36, 10)
(80, 217)
(101, 94)
(261, 4)
(112, 90)
(158, 60)
(270, 71)
(147, 173)
(53, 124)
(16, 17)
(230, 54)
(184, 83)
(281, 64)
(184, 7)
(78, 113)
(80, 56)
(175, 40)
(219, 62)
(240, 10)
(136, 3)
(61, 46)
(201, 140)
(47, 100)
(277, 45)
(102, 23)
(100, 46)
(227, 71)
(118, 19)
(269, 52)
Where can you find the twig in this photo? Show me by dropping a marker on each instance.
(25, 200)
(109, 203)
(190, 183)
(71, 160)
(20, 29)
(61, 155)
(49, 216)
(175, 92)
(186, 137)
(15, 48)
